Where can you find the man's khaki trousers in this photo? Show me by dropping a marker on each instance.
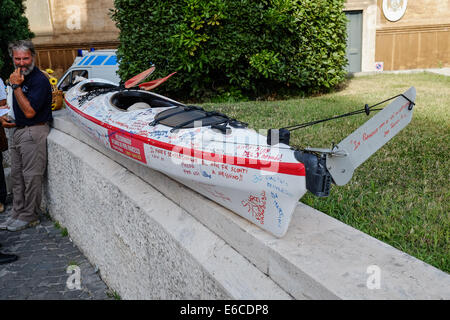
(28, 152)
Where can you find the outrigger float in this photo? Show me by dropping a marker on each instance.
(261, 178)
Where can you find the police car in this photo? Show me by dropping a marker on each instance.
(95, 64)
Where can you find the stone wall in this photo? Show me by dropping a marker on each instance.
(145, 246)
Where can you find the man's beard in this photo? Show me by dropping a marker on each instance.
(26, 70)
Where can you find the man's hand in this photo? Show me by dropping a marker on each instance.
(24, 104)
(16, 77)
(4, 120)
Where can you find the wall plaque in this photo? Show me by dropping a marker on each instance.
(394, 10)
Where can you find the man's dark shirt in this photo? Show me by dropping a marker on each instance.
(38, 91)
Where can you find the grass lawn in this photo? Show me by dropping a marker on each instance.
(401, 194)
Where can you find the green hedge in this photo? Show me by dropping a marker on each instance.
(245, 47)
(13, 26)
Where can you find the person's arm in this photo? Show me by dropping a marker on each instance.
(2, 94)
(18, 78)
(5, 123)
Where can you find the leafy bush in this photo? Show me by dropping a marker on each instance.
(247, 47)
(13, 26)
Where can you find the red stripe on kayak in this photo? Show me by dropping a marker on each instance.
(295, 169)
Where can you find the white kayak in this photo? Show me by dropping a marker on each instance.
(214, 155)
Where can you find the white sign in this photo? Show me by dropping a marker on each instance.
(379, 66)
(394, 9)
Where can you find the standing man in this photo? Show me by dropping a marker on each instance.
(32, 101)
(4, 258)
(3, 147)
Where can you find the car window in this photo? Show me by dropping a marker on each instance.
(79, 73)
(72, 78)
(66, 82)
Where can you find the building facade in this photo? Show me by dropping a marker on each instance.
(398, 34)
(419, 39)
(382, 34)
(64, 26)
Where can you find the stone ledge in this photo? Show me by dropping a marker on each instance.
(318, 258)
(145, 246)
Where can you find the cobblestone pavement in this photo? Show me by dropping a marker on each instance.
(42, 270)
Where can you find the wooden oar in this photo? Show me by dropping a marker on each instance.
(154, 83)
(139, 78)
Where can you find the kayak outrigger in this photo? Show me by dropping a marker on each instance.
(261, 178)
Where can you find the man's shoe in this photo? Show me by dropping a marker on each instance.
(18, 225)
(7, 258)
(2, 207)
(4, 225)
